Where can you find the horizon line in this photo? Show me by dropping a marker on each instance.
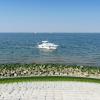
(48, 32)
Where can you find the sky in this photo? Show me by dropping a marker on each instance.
(50, 16)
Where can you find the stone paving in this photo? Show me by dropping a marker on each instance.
(50, 91)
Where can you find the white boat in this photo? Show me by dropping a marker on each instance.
(47, 45)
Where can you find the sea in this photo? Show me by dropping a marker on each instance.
(73, 49)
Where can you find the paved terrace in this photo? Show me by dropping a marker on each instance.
(50, 91)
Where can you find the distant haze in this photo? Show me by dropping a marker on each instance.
(50, 16)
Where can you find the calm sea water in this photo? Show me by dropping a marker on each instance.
(81, 49)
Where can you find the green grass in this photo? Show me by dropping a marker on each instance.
(4, 68)
(47, 78)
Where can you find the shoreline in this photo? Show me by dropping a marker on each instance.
(48, 87)
(29, 70)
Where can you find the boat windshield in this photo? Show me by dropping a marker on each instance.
(44, 41)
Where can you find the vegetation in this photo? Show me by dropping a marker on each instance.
(47, 78)
(28, 70)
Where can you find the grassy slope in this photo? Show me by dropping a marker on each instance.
(47, 78)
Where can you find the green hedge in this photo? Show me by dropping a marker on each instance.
(48, 78)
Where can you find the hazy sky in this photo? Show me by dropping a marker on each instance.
(49, 15)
